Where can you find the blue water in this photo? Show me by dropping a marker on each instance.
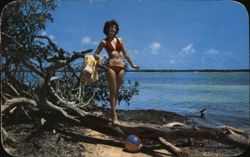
(224, 95)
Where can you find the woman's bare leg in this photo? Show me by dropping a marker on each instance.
(119, 80)
(111, 77)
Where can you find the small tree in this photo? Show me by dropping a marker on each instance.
(21, 23)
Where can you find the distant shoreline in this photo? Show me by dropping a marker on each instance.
(201, 70)
(173, 70)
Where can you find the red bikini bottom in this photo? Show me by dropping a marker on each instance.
(117, 69)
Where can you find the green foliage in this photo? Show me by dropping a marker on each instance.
(128, 91)
(23, 21)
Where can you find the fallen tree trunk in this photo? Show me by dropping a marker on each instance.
(224, 134)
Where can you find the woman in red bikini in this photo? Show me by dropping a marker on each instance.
(115, 69)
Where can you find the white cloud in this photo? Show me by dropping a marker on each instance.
(212, 51)
(86, 40)
(189, 49)
(184, 56)
(52, 37)
(44, 33)
(172, 61)
(135, 51)
(155, 46)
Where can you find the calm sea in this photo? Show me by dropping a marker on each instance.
(224, 95)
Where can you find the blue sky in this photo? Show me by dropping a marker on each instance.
(159, 34)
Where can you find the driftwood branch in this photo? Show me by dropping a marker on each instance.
(61, 110)
(68, 105)
(67, 60)
(172, 149)
(5, 135)
(12, 88)
(6, 96)
(16, 101)
(85, 104)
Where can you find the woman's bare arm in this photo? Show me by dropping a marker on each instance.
(97, 52)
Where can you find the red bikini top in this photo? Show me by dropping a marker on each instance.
(109, 47)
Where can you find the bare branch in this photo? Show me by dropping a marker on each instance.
(61, 63)
(33, 68)
(65, 104)
(172, 149)
(87, 103)
(3, 97)
(15, 101)
(7, 96)
(59, 109)
(16, 42)
(49, 40)
(12, 88)
(26, 113)
(5, 134)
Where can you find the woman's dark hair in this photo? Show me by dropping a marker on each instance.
(108, 24)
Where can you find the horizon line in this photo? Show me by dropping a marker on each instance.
(189, 70)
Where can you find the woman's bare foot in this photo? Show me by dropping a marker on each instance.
(114, 118)
(115, 121)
